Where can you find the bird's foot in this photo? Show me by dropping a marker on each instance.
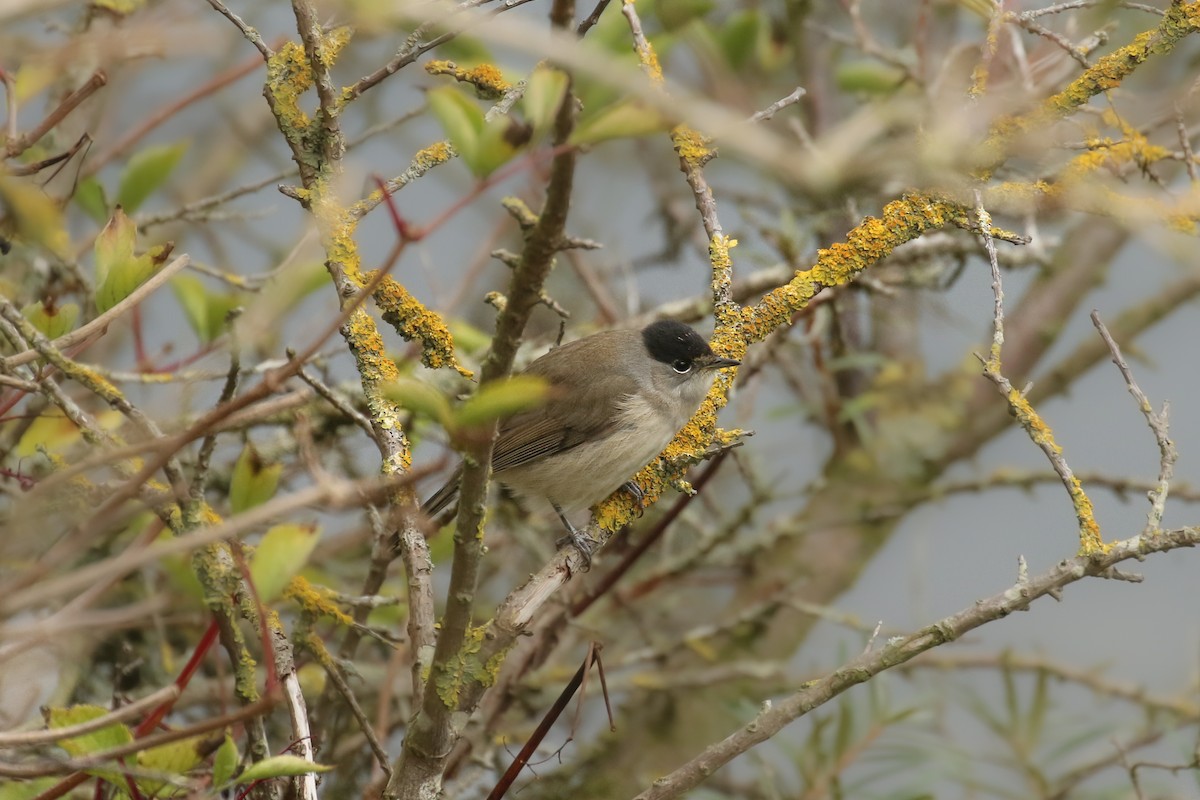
(639, 497)
(585, 544)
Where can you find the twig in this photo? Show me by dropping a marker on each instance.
(252, 36)
(780, 104)
(1185, 143)
(335, 399)
(902, 649)
(136, 133)
(539, 733)
(1158, 424)
(1041, 434)
(364, 724)
(69, 104)
(166, 694)
(333, 495)
(591, 19)
(98, 325)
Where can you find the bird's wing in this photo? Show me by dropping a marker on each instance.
(443, 497)
(535, 434)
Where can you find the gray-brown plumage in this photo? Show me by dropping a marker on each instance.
(617, 399)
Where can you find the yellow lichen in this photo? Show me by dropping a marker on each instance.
(464, 666)
(691, 145)
(1107, 73)
(1090, 541)
(434, 154)
(415, 322)
(487, 79)
(316, 600)
(288, 77)
(903, 220)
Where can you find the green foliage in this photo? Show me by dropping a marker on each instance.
(868, 77)
(206, 311)
(493, 401)
(420, 398)
(543, 96)
(86, 744)
(175, 759)
(626, 119)
(284, 766)
(53, 321)
(253, 481)
(96, 741)
(279, 557)
(483, 145)
(225, 762)
(34, 216)
(500, 399)
(118, 270)
(674, 14)
(146, 171)
(91, 197)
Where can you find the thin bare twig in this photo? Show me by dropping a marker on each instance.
(252, 36)
(780, 104)
(70, 103)
(899, 650)
(98, 325)
(1158, 424)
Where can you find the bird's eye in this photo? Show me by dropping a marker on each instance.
(682, 366)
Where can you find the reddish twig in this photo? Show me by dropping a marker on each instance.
(535, 739)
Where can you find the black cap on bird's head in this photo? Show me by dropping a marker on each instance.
(676, 344)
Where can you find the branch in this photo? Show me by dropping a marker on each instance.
(453, 689)
(899, 650)
(1158, 424)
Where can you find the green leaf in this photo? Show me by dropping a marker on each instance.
(459, 117)
(35, 217)
(85, 744)
(253, 482)
(175, 759)
(282, 553)
(91, 198)
(114, 246)
(499, 141)
(501, 399)
(868, 77)
(279, 767)
(623, 120)
(420, 398)
(147, 171)
(224, 762)
(739, 37)
(674, 14)
(121, 7)
(26, 790)
(206, 311)
(543, 96)
(118, 270)
(53, 322)
(467, 337)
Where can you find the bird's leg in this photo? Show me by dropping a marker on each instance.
(583, 543)
(639, 496)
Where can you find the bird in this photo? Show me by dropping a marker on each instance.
(616, 398)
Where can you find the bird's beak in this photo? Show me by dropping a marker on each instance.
(717, 362)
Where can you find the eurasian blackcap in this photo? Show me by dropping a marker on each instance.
(616, 399)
